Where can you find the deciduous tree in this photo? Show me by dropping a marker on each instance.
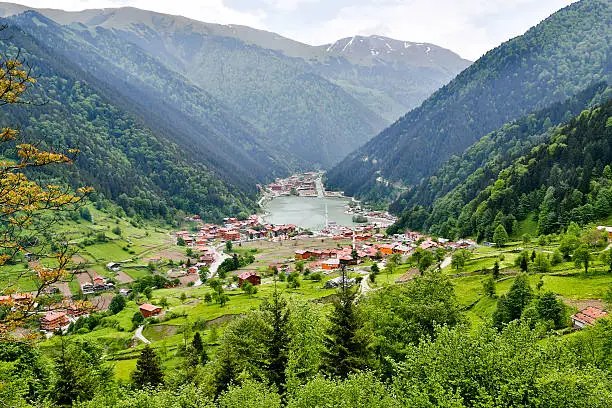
(582, 257)
(27, 207)
(500, 236)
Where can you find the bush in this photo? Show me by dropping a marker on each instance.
(317, 277)
(557, 257)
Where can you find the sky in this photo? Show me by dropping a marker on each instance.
(467, 27)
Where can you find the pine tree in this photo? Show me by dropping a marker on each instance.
(345, 351)
(277, 315)
(148, 369)
(524, 264)
(496, 270)
(197, 342)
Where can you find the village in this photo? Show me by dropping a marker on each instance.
(275, 249)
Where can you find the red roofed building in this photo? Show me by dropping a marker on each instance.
(386, 249)
(53, 321)
(230, 234)
(79, 308)
(251, 277)
(331, 264)
(587, 317)
(302, 254)
(149, 310)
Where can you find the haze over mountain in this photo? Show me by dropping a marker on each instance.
(554, 60)
(319, 103)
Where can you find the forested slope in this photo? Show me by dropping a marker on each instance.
(435, 204)
(552, 61)
(123, 157)
(566, 178)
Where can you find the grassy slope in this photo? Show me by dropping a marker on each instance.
(565, 280)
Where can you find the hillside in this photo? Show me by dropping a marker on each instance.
(125, 155)
(317, 102)
(564, 179)
(552, 61)
(435, 204)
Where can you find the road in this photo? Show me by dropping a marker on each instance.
(220, 256)
(446, 262)
(138, 335)
(365, 281)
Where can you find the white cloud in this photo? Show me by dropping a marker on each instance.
(468, 27)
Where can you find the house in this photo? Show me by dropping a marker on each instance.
(53, 321)
(428, 244)
(113, 266)
(78, 308)
(386, 249)
(149, 310)
(207, 258)
(22, 298)
(402, 249)
(87, 288)
(302, 254)
(230, 234)
(125, 292)
(251, 277)
(587, 317)
(331, 264)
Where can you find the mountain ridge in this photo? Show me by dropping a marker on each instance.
(550, 62)
(388, 90)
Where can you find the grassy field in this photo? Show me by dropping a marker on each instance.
(188, 304)
(133, 243)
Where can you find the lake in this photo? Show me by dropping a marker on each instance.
(307, 212)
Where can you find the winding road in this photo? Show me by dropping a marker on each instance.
(220, 256)
(138, 335)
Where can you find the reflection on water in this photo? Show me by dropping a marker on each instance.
(307, 212)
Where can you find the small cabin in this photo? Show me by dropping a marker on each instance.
(149, 310)
(251, 277)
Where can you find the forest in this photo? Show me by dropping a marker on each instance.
(562, 180)
(440, 198)
(554, 60)
(124, 155)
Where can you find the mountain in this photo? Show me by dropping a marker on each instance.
(318, 103)
(438, 202)
(146, 162)
(552, 61)
(564, 179)
(389, 76)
